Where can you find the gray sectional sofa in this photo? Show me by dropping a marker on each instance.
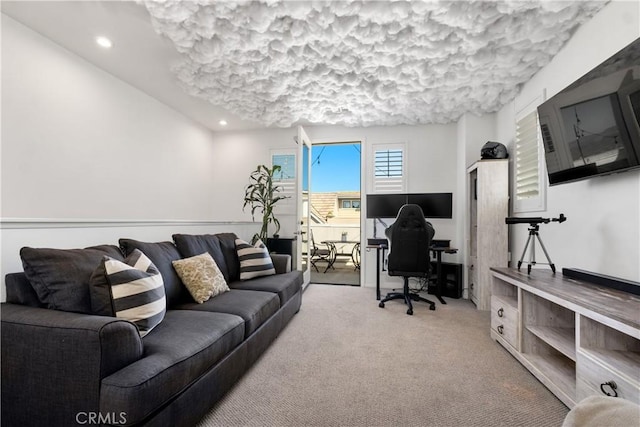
(66, 366)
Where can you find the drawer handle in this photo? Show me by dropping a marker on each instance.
(612, 385)
(501, 331)
(471, 285)
(500, 312)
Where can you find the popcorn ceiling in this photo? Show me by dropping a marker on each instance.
(363, 63)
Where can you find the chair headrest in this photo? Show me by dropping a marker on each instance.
(408, 211)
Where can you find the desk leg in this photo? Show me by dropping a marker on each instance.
(439, 276)
(378, 274)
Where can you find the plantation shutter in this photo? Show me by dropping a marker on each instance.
(285, 178)
(529, 177)
(389, 169)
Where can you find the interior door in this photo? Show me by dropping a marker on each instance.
(304, 188)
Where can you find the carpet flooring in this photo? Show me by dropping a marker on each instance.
(343, 361)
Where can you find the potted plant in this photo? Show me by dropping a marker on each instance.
(261, 195)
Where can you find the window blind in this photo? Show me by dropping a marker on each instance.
(527, 157)
(388, 170)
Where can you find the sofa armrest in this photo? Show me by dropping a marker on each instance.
(53, 362)
(281, 262)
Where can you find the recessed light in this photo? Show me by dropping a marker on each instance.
(223, 122)
(104, 42)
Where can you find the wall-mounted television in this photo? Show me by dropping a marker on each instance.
(592, 127)
(434, 205)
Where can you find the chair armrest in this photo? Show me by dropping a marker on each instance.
(53, 362)
(281, 262)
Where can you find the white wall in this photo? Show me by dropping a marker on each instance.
(79, 143)
(87, 159)
(602, 232)
(237, 154)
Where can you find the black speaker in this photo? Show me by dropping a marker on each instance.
(451, 279)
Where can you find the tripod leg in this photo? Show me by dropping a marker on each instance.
(532, 257)
(551, 264)
(526, 245)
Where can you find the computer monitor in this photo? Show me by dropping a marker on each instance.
(434, 205)
(385, 205)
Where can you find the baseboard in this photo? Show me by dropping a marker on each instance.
(603, 280)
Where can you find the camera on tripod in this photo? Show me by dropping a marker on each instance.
(534, 227)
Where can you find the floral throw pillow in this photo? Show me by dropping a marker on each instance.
(202, 277)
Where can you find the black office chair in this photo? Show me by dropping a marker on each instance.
(410, 238)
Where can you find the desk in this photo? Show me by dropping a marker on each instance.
(437, 249)
(379, 250)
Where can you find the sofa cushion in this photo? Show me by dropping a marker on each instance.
(191, 245)
(202, 277)
(60, 277)
(132, 290)
(285, 285)
(254, 307)
(161, 255)
(177, 352)
(254, 260)
(20, 291)
(228, 247)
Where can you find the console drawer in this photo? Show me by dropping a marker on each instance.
(504, 319)
(591, 374)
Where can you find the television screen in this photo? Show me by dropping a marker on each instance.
(434, 205)
(592, 127)
(595, 136)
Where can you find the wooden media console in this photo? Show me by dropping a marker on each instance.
(577, 338)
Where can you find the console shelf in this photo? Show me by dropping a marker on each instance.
(560, 374)
(577, 338)
(562, 339)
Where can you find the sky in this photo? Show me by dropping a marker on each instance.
(335, 167)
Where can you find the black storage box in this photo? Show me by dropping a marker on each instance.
(451, 279)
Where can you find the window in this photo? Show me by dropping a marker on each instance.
(350, 203)
(285, 178)
(530, 184)
(388, 168)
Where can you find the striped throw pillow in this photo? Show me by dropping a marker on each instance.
(137, 290)
(255, 260)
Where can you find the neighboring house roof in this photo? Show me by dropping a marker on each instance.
(326, 206)
(316, 217)
(324, 203)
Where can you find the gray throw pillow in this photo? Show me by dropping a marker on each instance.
(61, 277)
(162, 254)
